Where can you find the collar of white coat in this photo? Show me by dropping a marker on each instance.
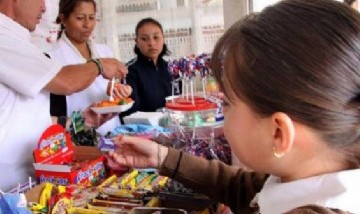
(338, 190)
(92, 46)
(17, 29)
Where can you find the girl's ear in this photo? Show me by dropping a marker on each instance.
(283, 132)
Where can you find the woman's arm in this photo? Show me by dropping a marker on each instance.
(74, 78)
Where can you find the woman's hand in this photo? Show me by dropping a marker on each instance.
(136, 152)
(113, 68)
(92, 119)
(123, 91)
(120, 90)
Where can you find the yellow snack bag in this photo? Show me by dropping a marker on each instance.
(45, 194)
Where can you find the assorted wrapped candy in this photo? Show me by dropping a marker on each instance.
(81, 135)
(203, 144)
(185, 70)
(195, 119)
(186, 67)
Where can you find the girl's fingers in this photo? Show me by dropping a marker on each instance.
(113, 164)
(117, 93)
(122, 91)
(118, 140)
(119, 159)
(127, 90)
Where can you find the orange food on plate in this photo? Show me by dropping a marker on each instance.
(117, 101)
(106, 103)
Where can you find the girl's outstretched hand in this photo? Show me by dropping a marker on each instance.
(136, 152)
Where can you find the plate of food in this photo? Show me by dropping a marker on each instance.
(116, 106)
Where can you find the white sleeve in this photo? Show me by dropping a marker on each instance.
(104, 51)
(24, 67)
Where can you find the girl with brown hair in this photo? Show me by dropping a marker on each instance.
(291, 80)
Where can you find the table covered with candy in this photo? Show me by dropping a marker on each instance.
(133, 191)
(74, 177)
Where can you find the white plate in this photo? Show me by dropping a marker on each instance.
(112, 109)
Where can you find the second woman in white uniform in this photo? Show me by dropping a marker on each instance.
(75, 45)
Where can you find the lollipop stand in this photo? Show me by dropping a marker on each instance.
(196, 119)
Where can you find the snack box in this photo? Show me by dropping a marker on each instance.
(33, 195)
(59, 162)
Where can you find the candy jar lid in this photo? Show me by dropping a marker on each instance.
(183, 104)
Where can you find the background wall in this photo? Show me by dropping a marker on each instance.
(46, 32)
(190, 27)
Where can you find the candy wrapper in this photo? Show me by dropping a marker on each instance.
(185, 70)
(12, 203)
(141, 130)
(81, 135)
(198, 143)
(106, 144)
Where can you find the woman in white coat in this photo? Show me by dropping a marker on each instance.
(75, 45)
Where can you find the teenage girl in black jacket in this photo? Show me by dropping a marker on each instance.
(148, 72)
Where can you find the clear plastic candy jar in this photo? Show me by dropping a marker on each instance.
(197, 127)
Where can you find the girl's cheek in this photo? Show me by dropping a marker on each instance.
(225, 109)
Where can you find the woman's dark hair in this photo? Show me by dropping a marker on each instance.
(66, 7)
(300, 57)
(349, 2)
(140, 24)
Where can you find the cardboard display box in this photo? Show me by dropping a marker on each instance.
(59, 162)
(33, 195)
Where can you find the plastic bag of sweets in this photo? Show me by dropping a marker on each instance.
(80, 134)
